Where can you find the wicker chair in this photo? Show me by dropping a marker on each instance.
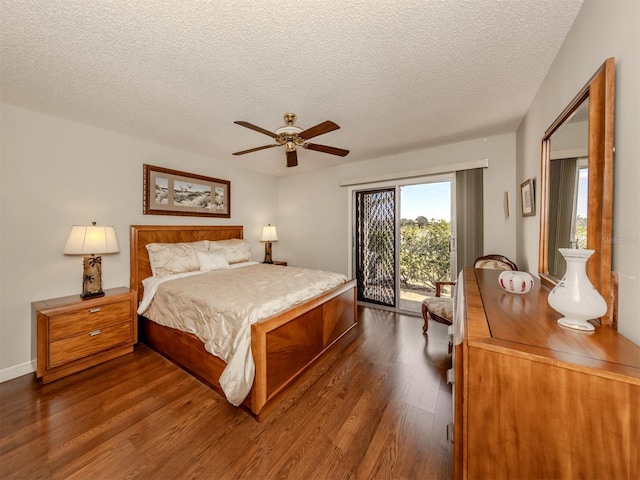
(440, 308)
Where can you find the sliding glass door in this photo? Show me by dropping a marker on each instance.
(403, 241)
(427, 241)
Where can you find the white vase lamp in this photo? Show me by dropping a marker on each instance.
(574, 296)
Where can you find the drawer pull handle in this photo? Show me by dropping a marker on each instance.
(94, 333)
(94, 310)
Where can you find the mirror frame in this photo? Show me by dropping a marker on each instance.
(600, 90)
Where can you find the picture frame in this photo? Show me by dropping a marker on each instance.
(172, 192)
(527, 194)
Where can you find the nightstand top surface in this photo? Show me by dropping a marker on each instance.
(72, 299)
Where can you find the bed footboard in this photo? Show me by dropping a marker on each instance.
(285, 345)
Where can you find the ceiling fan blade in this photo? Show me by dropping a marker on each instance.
(256, 149)
(292, 159)
(321, 128)
(257, 129)
(325, 149)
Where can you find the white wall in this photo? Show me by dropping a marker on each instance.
(602, 29)
(56, 173)
(314, 214)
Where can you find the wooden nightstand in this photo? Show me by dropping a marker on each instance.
(75, 334)
(278, 262)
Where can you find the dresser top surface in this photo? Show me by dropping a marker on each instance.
(527, 322)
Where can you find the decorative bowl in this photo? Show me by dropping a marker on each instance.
(515, 282)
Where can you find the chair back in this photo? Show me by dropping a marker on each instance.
(495, 262)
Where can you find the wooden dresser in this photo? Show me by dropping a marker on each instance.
(533, 399)
(74, 334)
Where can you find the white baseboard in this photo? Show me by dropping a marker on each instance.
(17, 371)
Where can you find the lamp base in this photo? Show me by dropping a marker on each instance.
(92, 277)
(88, 296)
(267, 253)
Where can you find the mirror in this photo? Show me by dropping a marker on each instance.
(568, 188)
(576, 188)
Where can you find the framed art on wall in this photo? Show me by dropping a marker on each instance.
(171, 192)
(527, 192)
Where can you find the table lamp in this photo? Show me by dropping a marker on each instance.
(269, 235)
(91, 241)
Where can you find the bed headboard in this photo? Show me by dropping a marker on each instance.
(142, 235)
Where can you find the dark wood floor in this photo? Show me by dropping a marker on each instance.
(375, 409)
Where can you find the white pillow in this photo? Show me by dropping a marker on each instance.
(212, 260)
(237, 250)
(170, 258)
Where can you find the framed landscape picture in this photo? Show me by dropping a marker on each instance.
(171, 192)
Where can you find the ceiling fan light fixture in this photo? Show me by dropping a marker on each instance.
(288, 130)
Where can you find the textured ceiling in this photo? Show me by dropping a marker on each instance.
(395, 75)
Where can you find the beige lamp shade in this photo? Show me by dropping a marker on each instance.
(269, 234)
(87, 240)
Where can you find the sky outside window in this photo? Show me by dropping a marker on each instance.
(430, 200)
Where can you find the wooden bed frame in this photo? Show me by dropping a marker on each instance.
(283, 346)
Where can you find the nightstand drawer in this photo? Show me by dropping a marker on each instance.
(88, 319)
(88, 343)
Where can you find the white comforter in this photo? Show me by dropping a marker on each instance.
(220, 306)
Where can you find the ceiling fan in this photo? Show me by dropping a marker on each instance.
(291, 136)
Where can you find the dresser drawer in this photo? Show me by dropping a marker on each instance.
(88, 343)
(87, 319)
